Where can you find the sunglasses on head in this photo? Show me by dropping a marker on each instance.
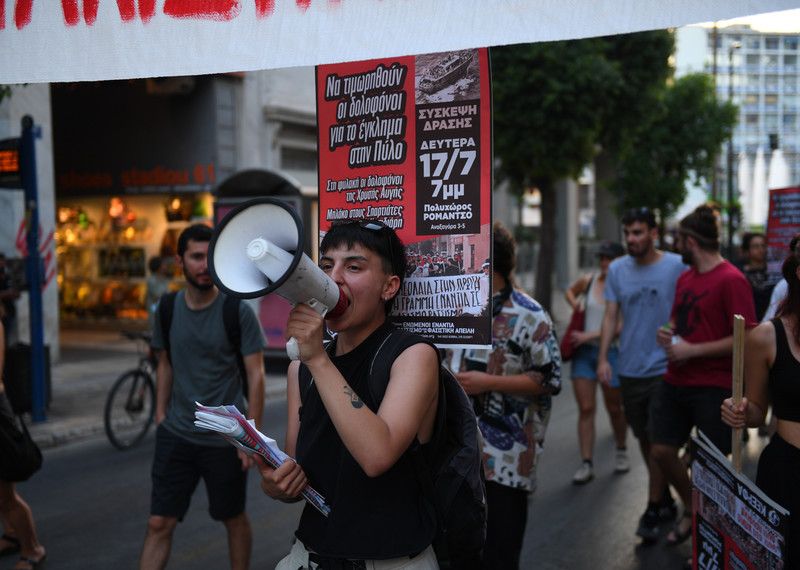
(375, 226)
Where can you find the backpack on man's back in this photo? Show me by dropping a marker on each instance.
(450, 467)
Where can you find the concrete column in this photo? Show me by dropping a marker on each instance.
(567, 233)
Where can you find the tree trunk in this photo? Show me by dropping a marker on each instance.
(547, 239)
(608, 204)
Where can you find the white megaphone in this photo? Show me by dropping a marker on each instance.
(258, 249)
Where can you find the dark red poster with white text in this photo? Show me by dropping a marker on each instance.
(408, 141)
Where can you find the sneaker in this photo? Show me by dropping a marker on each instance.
(584, 474)
(667, 509)
(648, 525)
(621, 462)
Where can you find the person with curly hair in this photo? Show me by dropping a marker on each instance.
(699, 342)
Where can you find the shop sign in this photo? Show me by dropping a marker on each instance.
(10, 171)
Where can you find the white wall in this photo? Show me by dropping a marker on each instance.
(34, 100)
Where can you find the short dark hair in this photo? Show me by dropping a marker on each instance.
(155, 264)
(641, 214)
(375, 236)
(196, 232)
(504, 249)
(748, 237)
(703, 226)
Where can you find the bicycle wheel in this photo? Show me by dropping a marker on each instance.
(130, 409)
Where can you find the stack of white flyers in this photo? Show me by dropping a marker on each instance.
(229, 422)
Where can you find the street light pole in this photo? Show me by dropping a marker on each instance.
(733, 46)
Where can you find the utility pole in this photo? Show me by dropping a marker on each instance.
(731, 221)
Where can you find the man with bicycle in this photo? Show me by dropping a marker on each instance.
(201, 365)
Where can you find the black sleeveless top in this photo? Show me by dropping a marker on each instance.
(371, 518)
(784, 378)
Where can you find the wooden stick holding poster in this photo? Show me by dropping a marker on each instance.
(738, 370)
(407, 141)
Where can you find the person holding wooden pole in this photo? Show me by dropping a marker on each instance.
(698, 341)
(772, 371)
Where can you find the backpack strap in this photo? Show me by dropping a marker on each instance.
(166, 306)
(233, 329)
(395, 343)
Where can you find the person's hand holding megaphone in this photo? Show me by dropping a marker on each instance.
(306, 326)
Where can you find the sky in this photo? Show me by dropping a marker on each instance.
(787, 21)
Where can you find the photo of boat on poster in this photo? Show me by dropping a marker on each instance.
(448, 68)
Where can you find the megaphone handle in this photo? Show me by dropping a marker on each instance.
(292, 348)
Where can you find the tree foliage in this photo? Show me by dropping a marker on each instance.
(678, 145)
(556, 103)
(546, 124)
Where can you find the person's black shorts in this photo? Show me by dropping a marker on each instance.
(638, 395)
(179, 465)
(678, 408)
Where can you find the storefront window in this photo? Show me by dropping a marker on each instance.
(104, 245)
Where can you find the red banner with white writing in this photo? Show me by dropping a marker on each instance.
(782, 224)
(408, 141)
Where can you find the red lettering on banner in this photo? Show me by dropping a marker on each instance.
(72, 14)
(264, 8)
(22, 13)
(127, 9)
(220, 10)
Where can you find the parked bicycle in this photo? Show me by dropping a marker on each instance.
(131, 404)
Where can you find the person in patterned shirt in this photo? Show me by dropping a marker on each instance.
(511, 386)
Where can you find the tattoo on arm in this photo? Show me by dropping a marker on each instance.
(354, 399)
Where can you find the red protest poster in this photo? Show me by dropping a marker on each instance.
(783, 222)
(408, 141)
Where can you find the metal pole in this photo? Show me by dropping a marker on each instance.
(731, 229)
(714, 174)
(33, 269)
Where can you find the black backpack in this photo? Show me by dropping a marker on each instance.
(230, 318)
(450, 467)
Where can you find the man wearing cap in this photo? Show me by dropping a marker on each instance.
(640, 289)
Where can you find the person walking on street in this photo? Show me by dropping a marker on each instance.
(755, 269)
(19, 530)
(640, 289)
(698, 341)
(513, 385)
(156, 286)
(584, 366)
(201, 365)
(350, 445)
(772, 370)
(8, 299)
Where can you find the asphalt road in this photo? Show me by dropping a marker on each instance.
(91, 504)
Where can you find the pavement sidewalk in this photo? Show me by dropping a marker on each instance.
(92, 360)
(80, 382)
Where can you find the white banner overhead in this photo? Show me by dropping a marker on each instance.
(87, 40)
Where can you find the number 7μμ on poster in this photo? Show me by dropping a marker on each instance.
(407, 141)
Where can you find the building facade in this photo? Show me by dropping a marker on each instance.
(124, 166)
(759, 72)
